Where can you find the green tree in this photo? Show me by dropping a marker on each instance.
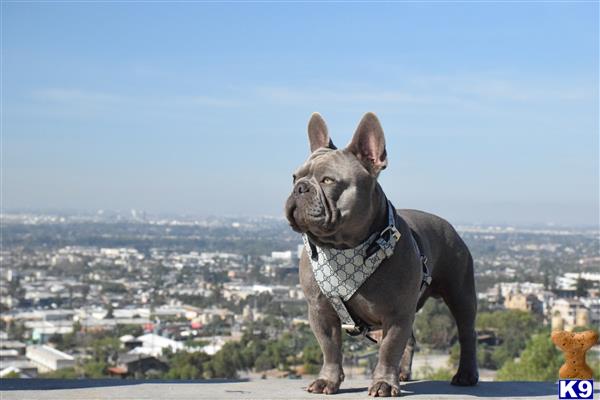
(593, 360)
(16, 330)
(513, 328)
(312, 358)
(263, 362)
(12, 375)
(184, 365)
(540, 361)
(109, 312)
(105, 348)
(64, 373)
(582, 287)
(95, 369)
(434, 325)
(226, 362)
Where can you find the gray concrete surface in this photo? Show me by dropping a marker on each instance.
(109, 389)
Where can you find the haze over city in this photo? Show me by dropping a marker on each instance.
(490, 110)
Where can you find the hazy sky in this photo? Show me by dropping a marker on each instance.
(490, 110)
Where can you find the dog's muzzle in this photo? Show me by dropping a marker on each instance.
(305, 208)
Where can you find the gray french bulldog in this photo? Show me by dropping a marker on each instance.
(337, 202)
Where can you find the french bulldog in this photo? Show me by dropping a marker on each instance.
(337, 202)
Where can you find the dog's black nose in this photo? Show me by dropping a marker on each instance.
(302, 187)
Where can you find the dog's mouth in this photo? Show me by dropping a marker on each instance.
(315, 215)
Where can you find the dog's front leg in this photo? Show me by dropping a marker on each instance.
(326, 327)
(385, 376)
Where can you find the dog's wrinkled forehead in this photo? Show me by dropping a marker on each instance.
(327, 161)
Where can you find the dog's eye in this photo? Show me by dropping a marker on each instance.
(327, 180)
(294, 178)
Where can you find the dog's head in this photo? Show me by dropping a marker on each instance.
(332, 196)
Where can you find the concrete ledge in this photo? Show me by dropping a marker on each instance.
(108, 389)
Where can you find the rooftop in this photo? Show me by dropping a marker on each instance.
(47, 351)
(109, 389)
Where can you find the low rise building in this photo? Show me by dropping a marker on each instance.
(48, 359)
(572, 312)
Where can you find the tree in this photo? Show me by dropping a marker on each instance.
(12, 375)
(226, 362)
(540, 361)
(263, 362)
(582, 287)
(434, 325)
(16, 330)
(184, 365)
(64, 373)
(109, 312)
(312, 357)
(513, 328)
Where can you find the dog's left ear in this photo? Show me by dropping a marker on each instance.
(318, 136)
(368, 144)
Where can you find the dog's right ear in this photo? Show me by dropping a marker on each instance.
(317, 133)
(368, 144)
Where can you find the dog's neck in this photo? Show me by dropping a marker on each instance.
(380, 220)
(376, 221)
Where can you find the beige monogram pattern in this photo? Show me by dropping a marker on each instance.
(339, 273)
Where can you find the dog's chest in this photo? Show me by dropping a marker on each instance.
(340, 273)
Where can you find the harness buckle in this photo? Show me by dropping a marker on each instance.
(351, 329)
(393, 232)
(358, 330)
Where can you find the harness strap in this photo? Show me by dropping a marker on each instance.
(376, 249)
(359, 328)
(426, 277)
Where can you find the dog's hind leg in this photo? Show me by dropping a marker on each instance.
(409, 350)
(407, 357)
(461, 299)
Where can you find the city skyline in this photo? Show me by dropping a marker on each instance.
(490, 110)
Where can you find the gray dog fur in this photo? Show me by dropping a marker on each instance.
(337, 202)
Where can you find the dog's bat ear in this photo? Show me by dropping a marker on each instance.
(317, 133)
(368, 144)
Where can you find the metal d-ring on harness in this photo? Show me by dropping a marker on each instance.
(339, 273)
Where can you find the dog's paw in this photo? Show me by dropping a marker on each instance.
(404, 376)
(323, 386)
(384, 389)
(465, 378)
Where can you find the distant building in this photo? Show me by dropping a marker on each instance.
(21, 368)
(572, 312)
(299, 250)
(524, 302)
(568, 281)
(137, 365)
(281, 255)
(48, 359)
(593, 306)
(13, 361)
(154, 345)
(41, 331)
(13, 345)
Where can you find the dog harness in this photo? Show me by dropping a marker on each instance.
(341, 272)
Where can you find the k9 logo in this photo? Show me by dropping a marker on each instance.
(575, 389)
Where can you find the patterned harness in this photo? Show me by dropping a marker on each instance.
(341, 272)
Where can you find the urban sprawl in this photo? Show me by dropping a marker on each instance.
(128, 295)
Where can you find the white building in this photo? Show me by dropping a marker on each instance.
(593, 305)
(48, 359)
(154, 345)
(568, 281)
(573, 313)
(281, 255)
